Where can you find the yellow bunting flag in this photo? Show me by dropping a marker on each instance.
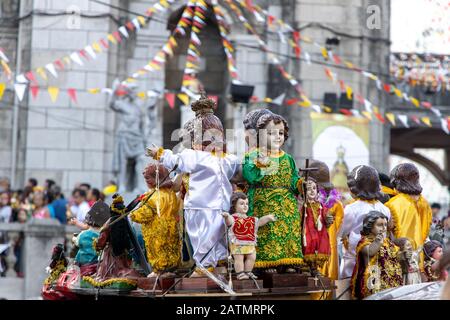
(305, 104)
(306, 39)
(267, 100)
(398, 92)
(172, 41)
(131, 80)
(97, 47)
(67, 60)
(94, 90)
(184, 98)
(141, 20)
(195, 29)
(201, 16)
(427, 121)
(415, 101)
(2, 90)
(348, 64)
(391, 118)
(141, 72)
(111, 38)
(53, 92)
(375, 109)
(367, 114)
(154, 66)
(190, 65)
(349, 91)
(324, 52)
(164, 3)
(141, 95)
(40, 71)
(327, 109)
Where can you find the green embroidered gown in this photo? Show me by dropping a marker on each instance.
(279, 242)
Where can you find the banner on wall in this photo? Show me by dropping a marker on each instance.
(342, 143)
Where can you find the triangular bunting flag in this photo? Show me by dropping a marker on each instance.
(34, 91)
(96, 47)
(53, 92)
(279, 100)
(72, 94)
(59, 64)
(404, 119)
(116, 35)
(349, 92)
(76, 58)
(391, 118)
(20, 90)
(2, 90)
(445, 124)
(170, 98)
(123, 31)
(90, 51)
(415, 102)
(111, 38)
(427, 121)
(141, 20)
(368, 105)
(437, 112)
(184, 98)
(367, 114)
(316, 108)
(195, 39)
(142, 95)
(324, 53)
(51, 68)
(104, 43)
(94, 90)
(136, 23)
(41, 72)
(30, 76)
(346, 112)
(21, 79)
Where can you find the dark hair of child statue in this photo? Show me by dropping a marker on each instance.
(242, 234)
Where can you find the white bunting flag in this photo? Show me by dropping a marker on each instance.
(316, 108)
(159, 7)
(149, 68)
(76, 58)
(404, 119)
(437, 112)
(90, 51)
(378, 84)
(3, 57)
(307, 58)
(195, 39)
(368, 105)
(51, 68)
(281, 36)
(293, 82)
(405, 96)
(107, 90)
(444, 125)
(20, 90)
(356, 113)
(279, 100)
(124, 31)
(136, 23)
(21, 79)
(258, 17)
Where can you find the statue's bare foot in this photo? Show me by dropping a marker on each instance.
(168, 275)
(291, 270)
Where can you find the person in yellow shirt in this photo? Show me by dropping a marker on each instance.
(410, 212)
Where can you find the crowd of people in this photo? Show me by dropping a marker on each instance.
(45, 201)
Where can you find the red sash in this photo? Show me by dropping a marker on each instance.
(244, 228)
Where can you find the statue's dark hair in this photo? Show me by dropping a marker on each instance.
(405, 178)
(370, 220)
(364, 183)
(276, 118)
(234, 199)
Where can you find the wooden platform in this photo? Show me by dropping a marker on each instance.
(269, 286)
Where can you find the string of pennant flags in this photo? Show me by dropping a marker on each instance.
(260, 14)
(193, 17)
(328, 55)
(29, 79)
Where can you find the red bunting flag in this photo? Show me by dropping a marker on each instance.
(270, 19)
(380, 117)
(30, 76)
(72, 94)
(130, 26)
(292, 101)
(346, 112)
(387, 88)
(170, 97)
(59, 64)
(104, 43)
(296, 36)
(415, 119)
(254, 99)
(337, 59)
(83, 53)
(343, 86)
(34, 91)
(117, 36)
(426, 104)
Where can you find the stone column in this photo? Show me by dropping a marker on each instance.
(41, 237)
